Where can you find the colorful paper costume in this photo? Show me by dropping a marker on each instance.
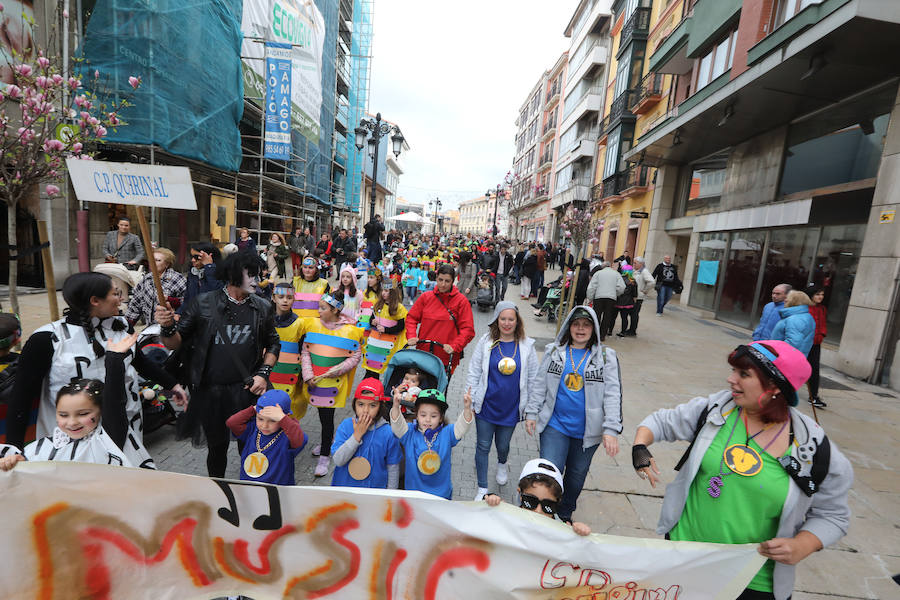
(381, 347)
(327, 348)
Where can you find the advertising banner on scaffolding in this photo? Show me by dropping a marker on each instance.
(300, 25)
(77, 530)
(277, 141)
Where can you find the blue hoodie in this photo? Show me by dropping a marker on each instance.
(796, 327)
(767, 321)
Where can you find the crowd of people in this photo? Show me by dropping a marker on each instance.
(256, 336)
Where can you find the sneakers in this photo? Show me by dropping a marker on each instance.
(817, 402)
(480, 494)
(502, 473)
(322, 466)
(621, 334)
(317, 450)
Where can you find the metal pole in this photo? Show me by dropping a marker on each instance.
(376, 134)
(496, 202)
(49, 278)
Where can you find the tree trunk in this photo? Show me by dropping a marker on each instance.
(13, 264)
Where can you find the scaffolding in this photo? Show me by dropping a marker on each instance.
(361, 60)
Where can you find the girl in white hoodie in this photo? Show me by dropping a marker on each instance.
(502, 374)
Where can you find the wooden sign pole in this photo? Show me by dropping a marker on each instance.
(148, 250)
(49, 278)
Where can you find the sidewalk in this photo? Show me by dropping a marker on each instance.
(674, 358)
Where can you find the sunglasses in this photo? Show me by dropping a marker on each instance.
(530, 502)
(195, 257)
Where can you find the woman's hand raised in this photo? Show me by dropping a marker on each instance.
(122, 345)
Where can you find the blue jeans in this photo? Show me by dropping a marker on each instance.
(500, 285)
(567, 454)
(662, 297)
(411, 293)
(487, 433)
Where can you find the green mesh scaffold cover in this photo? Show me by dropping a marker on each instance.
(187, 54)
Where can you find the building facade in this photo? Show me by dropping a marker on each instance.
(474, 216)
(523, 196)
(582, 108)
(775, 156)
(622, 193)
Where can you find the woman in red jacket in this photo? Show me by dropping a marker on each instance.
(819, 313)
(444, 316)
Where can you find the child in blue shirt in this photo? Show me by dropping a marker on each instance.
(430, 281)
(365, 451)
(428, 441)
(412, 276)
(271, 439)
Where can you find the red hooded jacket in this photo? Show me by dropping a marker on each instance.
(432, 319)
(819, 313)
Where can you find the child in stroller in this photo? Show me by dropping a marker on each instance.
(484, 297)
(549, 299)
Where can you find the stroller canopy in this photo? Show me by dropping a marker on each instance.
(410, 357)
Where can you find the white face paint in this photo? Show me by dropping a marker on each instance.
(249, 283)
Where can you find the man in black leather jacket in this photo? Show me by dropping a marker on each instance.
(226, 376)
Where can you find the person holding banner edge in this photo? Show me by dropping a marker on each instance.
(790, 492)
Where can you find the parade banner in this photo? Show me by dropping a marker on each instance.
(76, 530)
(299, 24)
(132, 183)
(278, 101)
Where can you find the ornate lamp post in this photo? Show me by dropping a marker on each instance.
(507, 181)
(374, 130)
(435, 205)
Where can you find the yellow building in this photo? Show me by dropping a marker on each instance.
(636, 100)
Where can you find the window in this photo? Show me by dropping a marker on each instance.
(621, 78)
(702, 189)
(786, 9)
(612, 153)
(715, 62)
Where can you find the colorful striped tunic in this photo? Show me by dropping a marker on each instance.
(364, 321)
(381, 347)
(327, 348)
(286, 373)
(306, 296)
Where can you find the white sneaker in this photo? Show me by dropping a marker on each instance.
(480, 494)
(322, 466)
(502, 473)
(317, 450)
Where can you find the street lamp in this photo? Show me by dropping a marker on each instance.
(508, 180)
(374, 130)
(435, 205)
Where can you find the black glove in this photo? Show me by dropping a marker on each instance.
(640, 456)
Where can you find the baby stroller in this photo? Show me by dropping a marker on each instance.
(484, 297)
(156, 402)
(435, 374)
(551, 304)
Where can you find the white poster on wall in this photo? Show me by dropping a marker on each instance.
(295, 22)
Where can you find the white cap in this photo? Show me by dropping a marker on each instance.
(544, 467)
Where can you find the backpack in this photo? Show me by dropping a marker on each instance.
(8, 379)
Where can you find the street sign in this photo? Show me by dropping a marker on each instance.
(129, 183)
(66, 131)
(639, 215)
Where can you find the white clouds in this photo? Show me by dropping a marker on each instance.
(452, 75)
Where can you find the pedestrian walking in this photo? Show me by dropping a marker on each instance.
(819, 313)
(344, 248)
(625, 301)
(466, 272)
(504, 267)
(202, 275)
(667, 283)
(327, 381)
(529, 272)
(502, 373)
(645, 283)
(245, 241)
(577, 402)
(72, 348)
(796, 327)
(351, 297)
(308, 288)
(231, 346)
(790, 495)
(374, 229)
(443, 316)
(296, 244)
(143, 299)
(277, 255)
(771, 312)
(605, 286)
(540, 265)
(366, 452)
(123, 247)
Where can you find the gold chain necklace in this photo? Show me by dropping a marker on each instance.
(507, 364)
(574, 381)
(272, 441)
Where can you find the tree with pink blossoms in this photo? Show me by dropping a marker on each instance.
(32, 152)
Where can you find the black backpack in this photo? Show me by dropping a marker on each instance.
(8, 381)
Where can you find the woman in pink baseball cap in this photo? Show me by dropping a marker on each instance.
(757, 470)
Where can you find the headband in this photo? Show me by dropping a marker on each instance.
(308, 262)
(333, 302)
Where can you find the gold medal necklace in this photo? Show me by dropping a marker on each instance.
(256, 464)
(507, 364)
(574, 381)
(429, 462)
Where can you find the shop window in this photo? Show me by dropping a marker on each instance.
(817, 159)
(788, 260)
(836, 261)
(744, 258)
(708, 268)
(702, 189)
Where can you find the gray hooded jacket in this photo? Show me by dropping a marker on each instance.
(824, 513)
(602, 387)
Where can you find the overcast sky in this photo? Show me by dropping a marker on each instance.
(453, 75)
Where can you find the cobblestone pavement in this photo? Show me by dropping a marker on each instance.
(674, 358)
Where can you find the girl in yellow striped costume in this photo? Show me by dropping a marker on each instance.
(388, 333)
(286, 373)
(308, 288)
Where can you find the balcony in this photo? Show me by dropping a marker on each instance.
(588, 67)
(624, 184)
(618, 110)
(648, 94)
(549, 130)
(636, 28)
(578, 191)
(545, 162)
(552, 96)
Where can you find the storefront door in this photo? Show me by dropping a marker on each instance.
(744, 257)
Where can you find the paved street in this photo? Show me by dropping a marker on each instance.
(674, 358)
